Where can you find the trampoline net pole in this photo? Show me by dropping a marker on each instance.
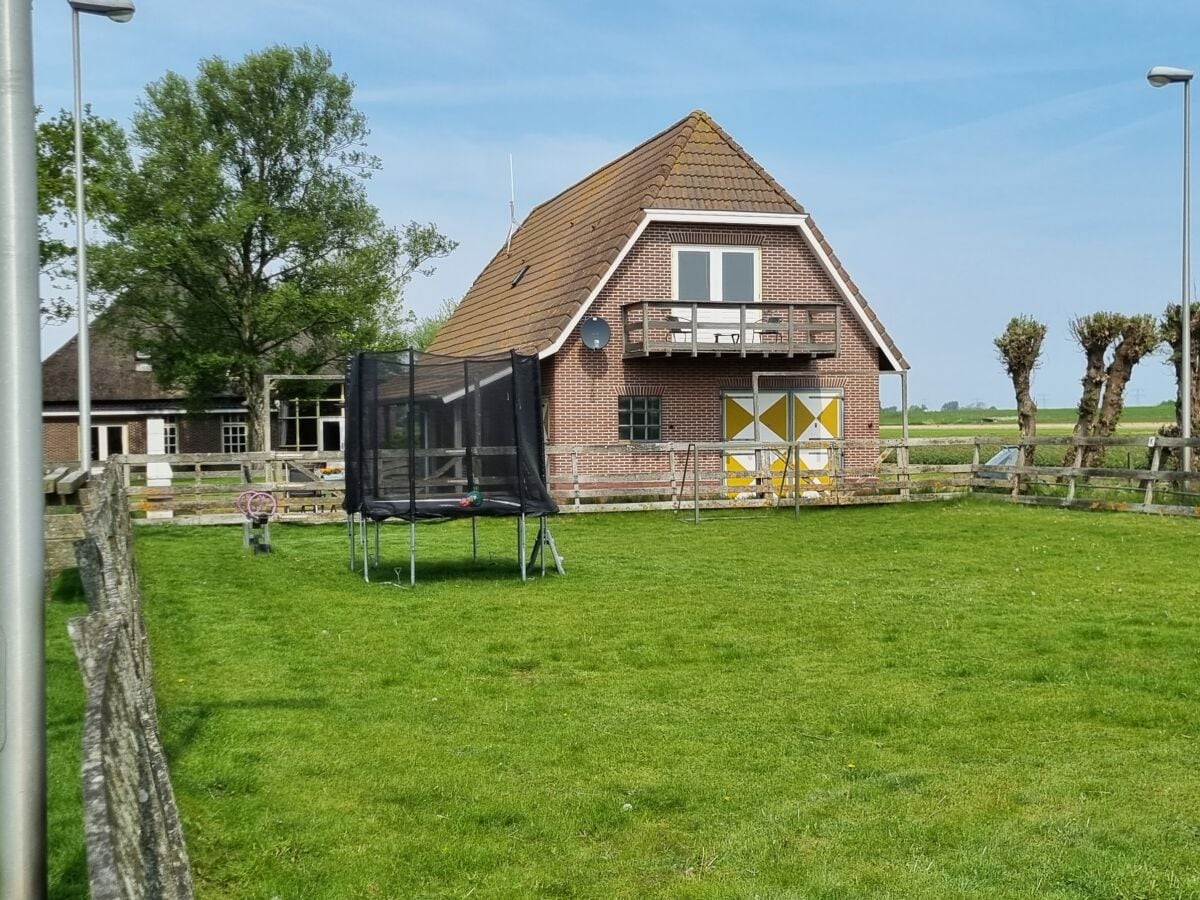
(521, 544)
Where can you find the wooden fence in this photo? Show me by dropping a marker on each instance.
(1137, 473)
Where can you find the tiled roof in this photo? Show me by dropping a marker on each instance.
(572, 239)
(115, 378)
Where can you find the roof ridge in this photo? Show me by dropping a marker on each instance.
(612, 162)
(687, 127)
(752, 162)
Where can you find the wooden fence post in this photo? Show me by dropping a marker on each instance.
(1078, 463)
(1155, 459)
(575, 473)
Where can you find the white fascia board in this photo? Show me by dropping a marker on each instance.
(587, 304)
(109, 413)
(720, 217)
(848, 295)
(682, 216)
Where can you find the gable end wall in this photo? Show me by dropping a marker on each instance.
(583, 385)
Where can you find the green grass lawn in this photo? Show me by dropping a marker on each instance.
(925, 701)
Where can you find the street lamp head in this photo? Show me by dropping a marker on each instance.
(117, 10)
(1160, 76)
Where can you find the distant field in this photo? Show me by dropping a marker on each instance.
(1141, 415)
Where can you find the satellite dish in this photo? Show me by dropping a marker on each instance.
(595, 333)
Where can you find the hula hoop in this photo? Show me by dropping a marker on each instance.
(256, 504)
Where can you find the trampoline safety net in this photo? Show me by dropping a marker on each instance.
(430, 437)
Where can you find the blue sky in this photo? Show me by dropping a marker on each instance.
(967, 160)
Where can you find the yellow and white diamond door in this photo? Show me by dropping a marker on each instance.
(816, 416)
(738, 425)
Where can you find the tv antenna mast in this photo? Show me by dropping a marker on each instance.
(512, 204)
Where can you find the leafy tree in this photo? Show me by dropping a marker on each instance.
(417, 332)
(1019, 347)
(105, 163)
(950, 406)
(243, 241)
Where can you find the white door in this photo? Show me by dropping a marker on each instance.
(109, 440)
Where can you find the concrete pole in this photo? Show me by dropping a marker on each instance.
(82, 343)
(23, 735)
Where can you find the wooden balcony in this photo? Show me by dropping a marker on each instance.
(770, 328)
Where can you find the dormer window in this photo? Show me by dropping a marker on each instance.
(730, 274)
(141, 362)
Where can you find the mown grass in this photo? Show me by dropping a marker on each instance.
(926, 701)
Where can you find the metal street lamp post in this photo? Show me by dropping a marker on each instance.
(22, 611)
(1160, 76)
(117, 11)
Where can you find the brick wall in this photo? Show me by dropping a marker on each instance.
(199, 434)
(583, 385)
(60, 440)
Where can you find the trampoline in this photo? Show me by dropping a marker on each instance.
(431, 438)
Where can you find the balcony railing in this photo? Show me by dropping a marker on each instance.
(771, 328)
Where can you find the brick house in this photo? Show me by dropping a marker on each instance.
(706, 271)
(131, 413)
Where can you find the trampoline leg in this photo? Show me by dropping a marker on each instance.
(377, 554)
(521, 544)
(350, 532)
(475, 538)
(542, 544)
(412, 553)
(366, 552)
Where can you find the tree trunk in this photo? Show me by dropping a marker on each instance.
(1195, 390)
(1026, 408)
(1089, 401)
(257, 425)
(1113, 404)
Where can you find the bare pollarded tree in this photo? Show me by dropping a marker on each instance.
(1095, 334)
(1105, 377)
(1140, 336)
(1173, 337)
(1020, 347)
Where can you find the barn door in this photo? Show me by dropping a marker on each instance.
(816, 416)
(738, 425)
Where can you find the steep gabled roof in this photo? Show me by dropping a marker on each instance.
(114, 374)
(567, 244)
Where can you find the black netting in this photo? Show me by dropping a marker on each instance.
(437, 436)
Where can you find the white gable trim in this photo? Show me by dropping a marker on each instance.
(798, 221)
(851, 300)
(711, 217)
(591, 297)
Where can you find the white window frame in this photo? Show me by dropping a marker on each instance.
(231, 425)
(100, 439)
(715, 269)
(170, 436)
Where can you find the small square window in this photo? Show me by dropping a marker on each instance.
(639, 418)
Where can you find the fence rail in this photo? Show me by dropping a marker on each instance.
(1138, 473)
